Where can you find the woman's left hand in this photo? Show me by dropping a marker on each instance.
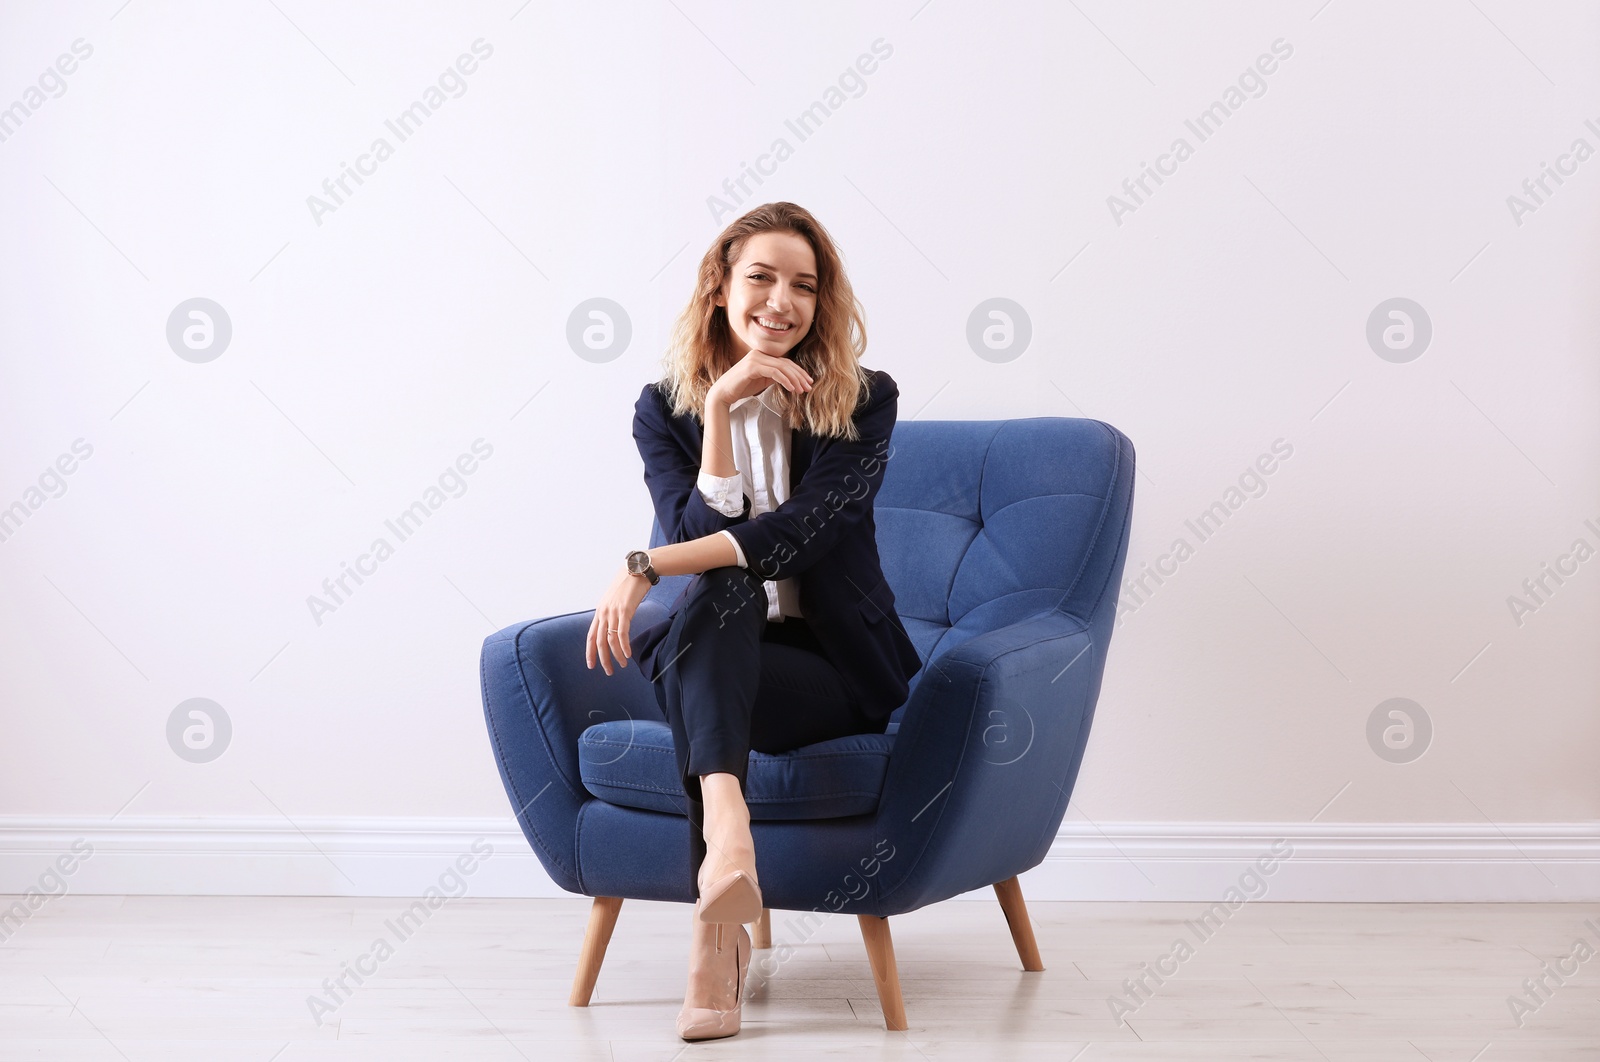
(608, 639)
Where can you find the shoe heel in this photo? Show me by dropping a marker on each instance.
(733, 899)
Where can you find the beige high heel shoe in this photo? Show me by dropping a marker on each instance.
(704, 1023)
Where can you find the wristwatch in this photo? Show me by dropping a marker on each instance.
(639, 564)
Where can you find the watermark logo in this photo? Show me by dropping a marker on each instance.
(1399, 730)
(51, 883)
(1539, 589)
(451, 483)
(51, 85)
(850, 84)
(1537, 991)
(1251, 84)
(797, 529)
(450, 85)
(803, 926)
(1007, 734)
(999, 330)
(599, 330)
(199, 730)
(1250, 885)
(1139, 587)
(52, 483)
(1537, 190)
(451, 884)
(199, 330)
(1399, 330)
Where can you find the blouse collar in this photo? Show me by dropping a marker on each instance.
(764, 398)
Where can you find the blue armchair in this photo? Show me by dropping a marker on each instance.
(1004, 543)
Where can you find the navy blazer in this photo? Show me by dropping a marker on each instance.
(824, 536)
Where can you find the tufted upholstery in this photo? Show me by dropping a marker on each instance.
(1004, 543)
(1005, 524)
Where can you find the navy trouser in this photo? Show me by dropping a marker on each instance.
(730, 682)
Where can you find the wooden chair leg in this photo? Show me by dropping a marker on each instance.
(762, 937)
(880, 952)
(1010, 894)
(602, 920)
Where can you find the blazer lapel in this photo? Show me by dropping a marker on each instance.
(801, 443)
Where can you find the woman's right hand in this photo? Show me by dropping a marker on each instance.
(609, 640)
(754, 373)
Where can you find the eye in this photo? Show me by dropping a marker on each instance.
(763, 276)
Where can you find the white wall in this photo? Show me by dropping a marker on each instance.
(374, 344)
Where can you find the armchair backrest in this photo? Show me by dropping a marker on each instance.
(985, 522)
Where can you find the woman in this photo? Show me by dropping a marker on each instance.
(763, 447)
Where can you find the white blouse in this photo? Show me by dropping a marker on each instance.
(761, 456)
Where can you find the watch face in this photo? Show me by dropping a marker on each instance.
(637, 561)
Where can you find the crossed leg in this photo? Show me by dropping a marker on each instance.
(730, 682)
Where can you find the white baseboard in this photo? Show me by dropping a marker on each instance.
(1353, 862)
(1362, 862)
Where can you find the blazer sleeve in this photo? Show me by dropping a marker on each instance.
(835, 494)
(671, 475)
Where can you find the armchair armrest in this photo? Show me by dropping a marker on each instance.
(538, 696)
(986, 756)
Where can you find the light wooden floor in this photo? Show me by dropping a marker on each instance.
(173, 979)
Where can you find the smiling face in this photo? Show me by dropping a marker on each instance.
(771, 294)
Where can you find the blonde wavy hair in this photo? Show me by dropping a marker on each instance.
(701, 347)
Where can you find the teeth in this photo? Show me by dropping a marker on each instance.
(775, 325)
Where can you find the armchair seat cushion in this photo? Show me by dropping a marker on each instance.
(631, 763)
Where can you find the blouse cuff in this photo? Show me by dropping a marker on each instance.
(725, 494)
(737, 551)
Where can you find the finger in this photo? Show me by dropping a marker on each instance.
(607, 653)
(614, 643)
(588, 646)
